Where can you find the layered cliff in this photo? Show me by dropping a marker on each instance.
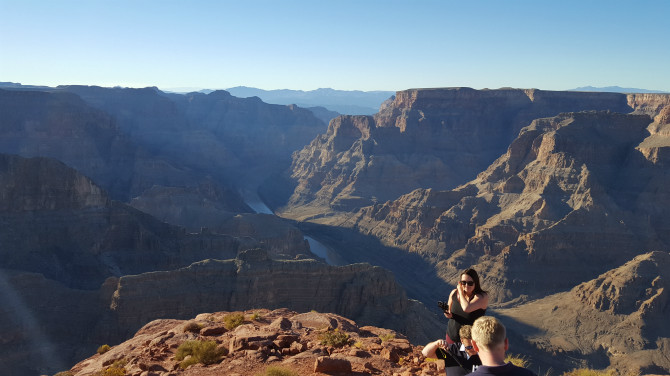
(367, 294)
(423, 138)
(62, 126)
(59, 223)
(66, 325)
(79, 269)
(617, 319)
(572, 197)
(231, 139)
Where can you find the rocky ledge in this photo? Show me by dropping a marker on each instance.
(309, 343)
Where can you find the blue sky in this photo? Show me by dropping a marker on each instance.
(348, 45)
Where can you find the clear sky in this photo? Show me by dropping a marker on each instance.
(342, 44)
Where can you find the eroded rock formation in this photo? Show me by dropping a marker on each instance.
(617, 319)
(278, 338)
(571, 198)
(424, 138)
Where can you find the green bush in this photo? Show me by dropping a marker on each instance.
(103, 349)
(204, 352)
(277, 371)
(233, 320)
(256, 315)
(192, 326)
(334, 338)
(387, 337)
(116, 369)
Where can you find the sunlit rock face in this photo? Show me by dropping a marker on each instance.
(423, 138)
(573, 196)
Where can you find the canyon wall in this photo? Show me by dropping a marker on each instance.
(574, 195)
(423, 138)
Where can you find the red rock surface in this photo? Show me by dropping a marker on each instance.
(279, 338)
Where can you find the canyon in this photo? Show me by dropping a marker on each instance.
(122, 206)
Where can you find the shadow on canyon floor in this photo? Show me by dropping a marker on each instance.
(415, 274)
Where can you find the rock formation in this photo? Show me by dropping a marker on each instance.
(77, 321)
(79, 269)
(231, 139)
(62, 126)
(59, 223)
(423, 138)
(267, 338)
(617, 319)
(569, 200)
(367, 294)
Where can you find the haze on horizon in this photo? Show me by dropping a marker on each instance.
(345, 45)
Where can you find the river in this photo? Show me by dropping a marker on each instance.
(316, 247)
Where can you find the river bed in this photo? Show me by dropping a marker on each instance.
(315, 246)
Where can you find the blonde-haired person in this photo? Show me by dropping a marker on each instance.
(489, 339)
(459, 358)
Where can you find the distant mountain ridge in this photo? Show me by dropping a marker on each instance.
(617, 89)
(349, 102)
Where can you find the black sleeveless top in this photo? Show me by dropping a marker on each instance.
(460, 318)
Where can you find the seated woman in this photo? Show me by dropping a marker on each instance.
(467, 302)
(459, 358)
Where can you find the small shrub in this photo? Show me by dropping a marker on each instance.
(189, 361)
(204, 352)
(334, 338)
(589, 372)
(256, 315)
(359, 345)
(192, 327)
(233, 320)
(387, 337)
(517, 360)
(277, 371)
(103, 349)
(116, 369)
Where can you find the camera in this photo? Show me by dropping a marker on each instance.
(444, 306)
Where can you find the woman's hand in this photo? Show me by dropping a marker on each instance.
(447, 314)
(459, 289)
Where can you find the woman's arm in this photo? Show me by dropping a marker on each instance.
(430, 351)
(479, 301)
(450, 302)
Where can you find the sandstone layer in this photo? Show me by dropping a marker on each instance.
(423, 138)
(573, 197)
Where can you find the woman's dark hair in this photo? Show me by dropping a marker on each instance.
(475, 277)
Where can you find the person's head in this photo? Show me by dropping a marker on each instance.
(466, 339)
(489, 334)
(469, 279)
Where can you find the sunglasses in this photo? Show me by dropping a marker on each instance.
(469, 283)
(469, 347)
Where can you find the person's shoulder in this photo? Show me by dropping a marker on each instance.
(520, 371)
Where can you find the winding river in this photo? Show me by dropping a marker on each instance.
(316, 247)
